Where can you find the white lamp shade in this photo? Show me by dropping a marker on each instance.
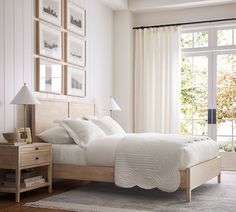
(25, 97)
(113, 105)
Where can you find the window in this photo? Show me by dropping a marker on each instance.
(194, 39)
(209, 82)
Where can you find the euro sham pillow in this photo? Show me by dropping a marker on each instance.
(81, 131)
(56, 135)
(108, 125)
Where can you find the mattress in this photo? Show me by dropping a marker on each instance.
(101, 152)
(68, 154)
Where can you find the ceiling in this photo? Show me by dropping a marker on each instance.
(140, 6)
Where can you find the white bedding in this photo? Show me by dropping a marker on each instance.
(68, 154)
(101, 152)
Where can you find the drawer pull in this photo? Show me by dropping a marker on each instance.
(36, 158)
(36, 148)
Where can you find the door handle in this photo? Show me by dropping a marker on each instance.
(211, 116)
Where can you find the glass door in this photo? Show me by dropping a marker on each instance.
(225, 100)
(195, 94)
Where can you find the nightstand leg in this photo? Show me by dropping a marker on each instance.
(50, 178)
(18, 173)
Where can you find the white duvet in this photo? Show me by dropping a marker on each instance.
(150, 160)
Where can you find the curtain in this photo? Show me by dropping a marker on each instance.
(157, 79)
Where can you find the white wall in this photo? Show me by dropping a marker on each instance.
(123, 68)
(15, 56)
(17, 49)
(185, 15)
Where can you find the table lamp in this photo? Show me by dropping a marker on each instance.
(113, 106)
(25, 97)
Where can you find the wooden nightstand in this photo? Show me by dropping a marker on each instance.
(37, 156)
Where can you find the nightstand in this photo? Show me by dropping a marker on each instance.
(36, 156)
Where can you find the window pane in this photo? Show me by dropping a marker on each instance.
(200, 39)
(224, 37)
(187, 40)
(200, 127)
(225, 143)
(225, 127)
(234, 65)
(186, 127)
(225, 76)
(235, 37)
(200, 71)
(200, 111)
(186, 72)
(200, 95)
(200, 63)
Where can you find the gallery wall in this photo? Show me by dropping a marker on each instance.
(17, 56)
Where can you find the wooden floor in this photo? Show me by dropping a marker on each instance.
(7, 201)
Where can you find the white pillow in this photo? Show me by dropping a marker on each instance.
(56, 135)
(81, 131)
(109, 125)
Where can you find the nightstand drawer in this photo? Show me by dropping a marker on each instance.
(28, 159)
(36, 148)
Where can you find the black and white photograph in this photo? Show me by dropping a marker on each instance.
(76, 82)
(76, 50)
(49, 42)
(50, 76)
(76, 20)
(50, 11)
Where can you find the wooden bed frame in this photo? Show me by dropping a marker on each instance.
(45, 113)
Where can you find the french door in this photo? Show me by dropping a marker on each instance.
(224, 99)
(209, 96)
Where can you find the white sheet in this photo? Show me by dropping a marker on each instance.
(68, 154)
(101, 152)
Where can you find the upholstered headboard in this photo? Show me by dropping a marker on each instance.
(44, 114)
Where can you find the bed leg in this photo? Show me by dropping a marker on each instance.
(188, 195)
(219, 178)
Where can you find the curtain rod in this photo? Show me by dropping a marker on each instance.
(186, 23)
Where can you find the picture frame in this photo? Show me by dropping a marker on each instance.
(49, 42)
(50, 76)
(75, 81)
(25, 135)
(75, 50)
(49, 11)
(75, 18)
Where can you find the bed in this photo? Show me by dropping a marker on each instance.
(192, 175)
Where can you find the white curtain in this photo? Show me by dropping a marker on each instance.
(157, 95)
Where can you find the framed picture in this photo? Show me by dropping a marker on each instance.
(50, 11)
(49, 41)
(76, 82)
(75, 51)
(49, 76)
(25, 135)
(75, 20)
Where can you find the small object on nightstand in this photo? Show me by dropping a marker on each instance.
(30, 168)
(25, 135)
(25, 97)
(12, 137)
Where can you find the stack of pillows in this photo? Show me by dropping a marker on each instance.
(81, 131)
